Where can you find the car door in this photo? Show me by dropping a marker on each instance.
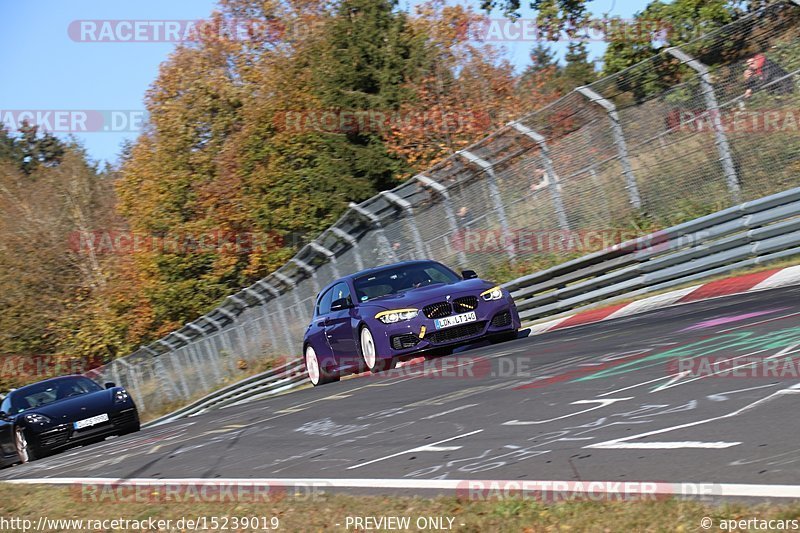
(316, 331)
(339, 329)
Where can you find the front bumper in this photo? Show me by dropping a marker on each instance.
(62, 436)
(420, 334)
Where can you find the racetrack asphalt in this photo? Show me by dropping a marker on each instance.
(605, 401)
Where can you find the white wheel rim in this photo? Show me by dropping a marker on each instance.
(312, 365)
(22, 446)
(368, 348)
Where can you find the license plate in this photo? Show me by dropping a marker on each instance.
(89, 422)
(448, 321)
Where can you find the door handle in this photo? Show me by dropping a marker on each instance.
(320, 324)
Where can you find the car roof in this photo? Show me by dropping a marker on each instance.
(375, 270)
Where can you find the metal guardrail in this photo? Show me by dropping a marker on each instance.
(753, 232)
(648, 140)
(271, 382)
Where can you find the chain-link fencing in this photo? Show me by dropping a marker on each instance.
(688, 132)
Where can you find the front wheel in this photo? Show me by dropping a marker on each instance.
(369, 353)
(25, 452)
(317, 375)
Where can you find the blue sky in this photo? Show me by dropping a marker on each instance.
(44, 69)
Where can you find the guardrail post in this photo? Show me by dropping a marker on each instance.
(327, 253)
(494, 192)
(448, 211)
(383, 241)
(410, 220)
(349, 239)
(712, 107)
(553, 182)
(619, 140)
(281, 314)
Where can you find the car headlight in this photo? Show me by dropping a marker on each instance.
(120, 396)
(397, 315)
(495, 293)
(36, 418)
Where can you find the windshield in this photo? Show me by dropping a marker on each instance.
(51, 391)
(402, 278)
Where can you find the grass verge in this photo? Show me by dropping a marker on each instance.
(324, 512)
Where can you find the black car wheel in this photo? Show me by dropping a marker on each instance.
(25, 451)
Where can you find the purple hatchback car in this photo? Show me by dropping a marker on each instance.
(373, 319)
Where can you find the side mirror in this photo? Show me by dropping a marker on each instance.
(469, 274)
(341, 303)
(110, 385)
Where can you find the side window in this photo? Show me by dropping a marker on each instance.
(324, 305)
(6, 405)
(341, 290)
(436, 275)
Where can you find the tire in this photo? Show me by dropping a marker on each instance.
(371, 361)
(503, 337)
(25, 451)
(316, 374)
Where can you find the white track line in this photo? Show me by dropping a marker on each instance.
(426, 447)
(676, 488)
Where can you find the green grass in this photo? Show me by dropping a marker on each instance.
(323, 512)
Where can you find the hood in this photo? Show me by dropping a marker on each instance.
(77, 408)
(430, 294)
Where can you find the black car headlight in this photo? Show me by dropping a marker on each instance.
(121, 396)
(397, 315)
(495, 293)
(36, 418)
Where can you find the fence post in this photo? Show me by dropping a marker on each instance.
(349, 239)
(619, 140)
(376, 222)
(412, 223)
(448, 211)
(295, 293)
(553, 182)
(712, 107)
(178, 371)
(281, 314)
(164, 382)
(311, 271)
(494, 192)
(327, 253)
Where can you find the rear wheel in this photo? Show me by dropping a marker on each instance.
(369, 353)
(317, 375)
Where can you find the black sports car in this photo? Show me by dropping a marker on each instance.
(58, 413)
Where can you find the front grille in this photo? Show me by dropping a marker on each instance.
(465, 304)
(54, 437)
(501, 320)
(437, 310)
(402, 342)
(124, 418)
(463, 331)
